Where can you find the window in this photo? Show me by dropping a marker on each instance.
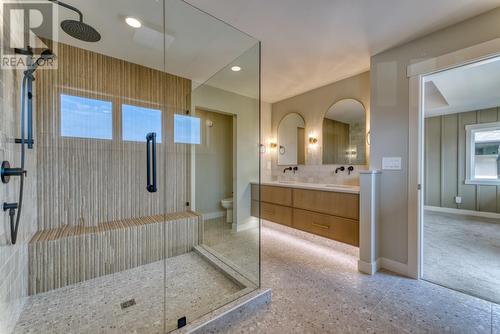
(137, 122)
(186, 129)
(482, 148)
(86, 118)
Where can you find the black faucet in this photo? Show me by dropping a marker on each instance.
(341, 168)
(288, 168)
(295, 169)
(350, 169)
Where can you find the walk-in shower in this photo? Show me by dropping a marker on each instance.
(122, 228)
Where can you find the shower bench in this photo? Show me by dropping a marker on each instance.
(72, 254)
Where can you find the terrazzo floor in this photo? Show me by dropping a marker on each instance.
(317, 289)
(193, 288)
(463, 253)
(240, 249)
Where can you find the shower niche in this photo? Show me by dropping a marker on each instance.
(112, 232)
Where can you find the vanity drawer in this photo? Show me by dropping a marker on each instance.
(276, 195)
(332, 227)
(276, 213)
(338, 204)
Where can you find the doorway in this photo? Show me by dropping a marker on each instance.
(460, 179)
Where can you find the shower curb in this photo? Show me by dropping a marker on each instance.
(232, 312)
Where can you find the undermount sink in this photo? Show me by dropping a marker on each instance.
(287, 182)
(338, 186)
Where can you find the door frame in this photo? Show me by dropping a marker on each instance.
(416, 73)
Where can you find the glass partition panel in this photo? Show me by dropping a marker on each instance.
(226, 164)
(133, 191)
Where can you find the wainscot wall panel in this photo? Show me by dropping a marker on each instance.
(445, 160)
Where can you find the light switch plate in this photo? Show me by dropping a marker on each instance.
(391, 163)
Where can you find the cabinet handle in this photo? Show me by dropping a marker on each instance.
(325, 227)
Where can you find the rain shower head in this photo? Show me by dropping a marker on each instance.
(78, 29)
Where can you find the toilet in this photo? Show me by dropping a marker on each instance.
(227, 203)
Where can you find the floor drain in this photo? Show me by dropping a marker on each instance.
(127, 303)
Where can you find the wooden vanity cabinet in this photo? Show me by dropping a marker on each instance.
(329, 214)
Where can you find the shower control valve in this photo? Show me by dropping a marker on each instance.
(6, 172)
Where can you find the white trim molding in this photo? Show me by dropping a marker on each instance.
(474, 54)
(470, 156)
(213, 215)
(471, 56)
(369, 268)
(249, 223)
(369, 216)
(462, 212)
(394, 266)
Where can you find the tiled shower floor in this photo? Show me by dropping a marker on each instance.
(185, 285)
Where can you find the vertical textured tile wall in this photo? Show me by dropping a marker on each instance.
(14, 258)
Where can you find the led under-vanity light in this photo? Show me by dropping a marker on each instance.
(133, 22)
(235, 68)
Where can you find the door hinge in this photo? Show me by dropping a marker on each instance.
(419, 187)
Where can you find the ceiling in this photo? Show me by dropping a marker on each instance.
(305, 44)
(310, 43)
(471, 87)
(197, 46)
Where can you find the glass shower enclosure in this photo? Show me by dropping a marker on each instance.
(140, 144)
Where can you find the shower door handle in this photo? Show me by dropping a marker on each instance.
(151, 161)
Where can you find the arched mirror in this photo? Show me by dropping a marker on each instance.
(344, 133)
(291, 140)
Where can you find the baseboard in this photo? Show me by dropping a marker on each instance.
(391, 265)
(251, 222)
(367, 267)
(463, 212)
(213, 215)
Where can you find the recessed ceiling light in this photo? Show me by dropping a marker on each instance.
(235, 68)
(133, 22)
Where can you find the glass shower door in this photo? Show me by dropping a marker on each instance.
(137, 199)
(97, 247)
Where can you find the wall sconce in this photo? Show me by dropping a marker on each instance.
(313, 140)
(273, 145)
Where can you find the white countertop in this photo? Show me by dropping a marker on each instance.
(340, 188)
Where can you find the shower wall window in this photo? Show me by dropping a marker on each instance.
(128, 169)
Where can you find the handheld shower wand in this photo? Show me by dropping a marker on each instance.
(26, 108)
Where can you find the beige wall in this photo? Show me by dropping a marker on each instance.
(390, 115)
(313, 106)
(445, 160)
(265, 138)
(246, 161)
(214, 161)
